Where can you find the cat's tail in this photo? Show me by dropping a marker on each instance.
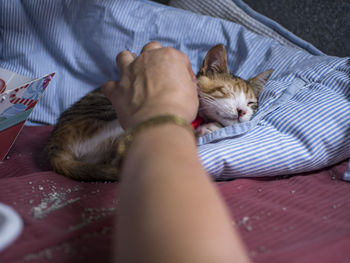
(68, 165)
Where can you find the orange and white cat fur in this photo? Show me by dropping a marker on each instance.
(225, 99)
(83, 144)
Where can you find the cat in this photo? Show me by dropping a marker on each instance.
(83, 144)
(225, 99)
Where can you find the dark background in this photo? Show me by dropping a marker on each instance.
(323, 23)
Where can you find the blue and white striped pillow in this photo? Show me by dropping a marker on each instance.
(303, 124)
(303, 121)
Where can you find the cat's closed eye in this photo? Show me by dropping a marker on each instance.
(253, 105)
(218, 92)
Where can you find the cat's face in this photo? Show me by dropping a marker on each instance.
(225, 98)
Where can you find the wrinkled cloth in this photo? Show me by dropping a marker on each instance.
(304, 218)
(239, 12)
(302, 122)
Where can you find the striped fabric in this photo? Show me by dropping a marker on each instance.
(237, 11)
(303, 119)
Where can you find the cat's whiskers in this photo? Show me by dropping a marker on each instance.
(208, 105)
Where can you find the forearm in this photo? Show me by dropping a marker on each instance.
(169, 209)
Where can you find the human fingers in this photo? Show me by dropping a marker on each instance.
(151, 46)
(124, 59)
(109, 88)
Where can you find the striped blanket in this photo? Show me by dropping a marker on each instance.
(303, 120)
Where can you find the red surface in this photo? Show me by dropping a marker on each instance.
(2, 86)
(7, 137)
(304, 218)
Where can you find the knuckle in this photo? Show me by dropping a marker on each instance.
(122, 54)
(151, 45)
(154, 44)
(172, 52)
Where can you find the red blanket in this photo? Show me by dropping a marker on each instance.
(303, 218)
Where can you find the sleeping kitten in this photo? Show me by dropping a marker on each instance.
(83, 144)
(225, 99)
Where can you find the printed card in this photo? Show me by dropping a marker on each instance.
(18, 97)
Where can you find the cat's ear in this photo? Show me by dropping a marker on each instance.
(215, 61)
(259, 81)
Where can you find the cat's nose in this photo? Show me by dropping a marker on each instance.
(241, 112)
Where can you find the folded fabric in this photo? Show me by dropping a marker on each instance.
(237, 11)
(302, 123)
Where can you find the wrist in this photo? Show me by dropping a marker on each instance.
(159, 128)
(160, 150)
(166, 136)
(151, 111)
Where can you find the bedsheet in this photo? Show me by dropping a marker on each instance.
(304, 218)
(80, 39)
(302, 122)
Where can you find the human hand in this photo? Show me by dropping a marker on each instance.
(159, 81)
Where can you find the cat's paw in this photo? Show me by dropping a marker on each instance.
(207, 128)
